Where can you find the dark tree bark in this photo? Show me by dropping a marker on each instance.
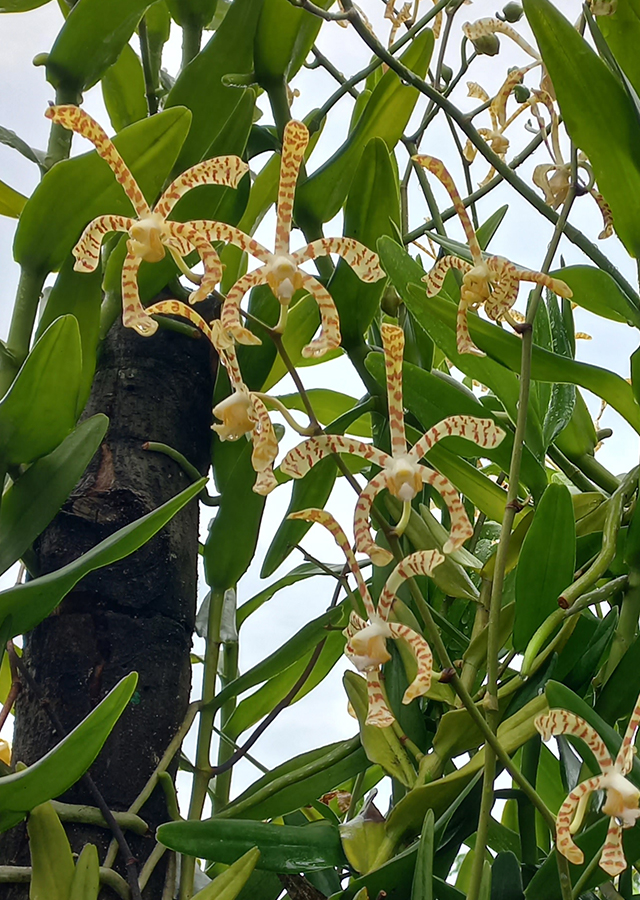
(136, 615)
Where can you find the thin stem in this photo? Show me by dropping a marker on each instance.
(222, 787)
(325, 62)
(585, 878)
(275, 403)
(149, 79)
(21, 328)
(151, 862)
(207, 715)
(59, 146)
(286, 359)
(187, 467)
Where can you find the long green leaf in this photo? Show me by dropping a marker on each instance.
(283, 848)
(39, 409)
(61, 767)
(30, 603)
(33, 500)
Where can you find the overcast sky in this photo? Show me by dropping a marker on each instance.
(322, 716)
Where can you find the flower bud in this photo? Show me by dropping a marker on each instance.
(512, 12)
(362, 836)
(487, 44)
(521, 92)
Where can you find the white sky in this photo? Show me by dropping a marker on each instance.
(321, 717)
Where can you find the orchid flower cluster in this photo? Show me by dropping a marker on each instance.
(151, 233)
(622, 798)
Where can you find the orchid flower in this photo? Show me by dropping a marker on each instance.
(621, 796)
(493, 281)
(366, 640)
(495, 136)
(243, 412)
(554, 179)
(150, 232)
(474, 31)
(281, 269)
(402, 474)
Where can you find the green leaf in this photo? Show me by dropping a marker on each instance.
(606, 127)
(66, 762)
(260, 703)
(11, 139)
(292, 650)
(90, 41)
(52, 870)
(30, 503)
(39, 409)
(329, 405)
(300, 780)
(597, 292)
(86, 881)
(312, 491)
(422, 888)
(14, 6)
(372, 210)
(506, 880)
(300, 573)
(233, 533)
(123, 90)
(228, 885)
(622, 31)
(200, 86)
(30, 603)
(194, 13)
(283, 848)
(11, 202)
(77, 294)
(621, 688)
(381, 744)
(284, 37)
(77, 190)
(546, 564)
(545, 366)
(385, 116)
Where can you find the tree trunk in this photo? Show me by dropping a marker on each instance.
(136, 615)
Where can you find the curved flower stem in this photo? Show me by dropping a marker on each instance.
(149, 79)
(282, 409)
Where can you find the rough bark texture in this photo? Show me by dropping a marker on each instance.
(139, 614)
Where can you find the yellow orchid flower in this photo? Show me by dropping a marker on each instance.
(281, 269)
(366, 640)
(621, 796)
(492, 282)
(554, 179)
(243, 412)
(150, 233)
(402, 473)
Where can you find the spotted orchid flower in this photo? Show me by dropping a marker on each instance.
(554, 179)
(366, 640)
(475, 31)
(621, 796)
(243, 412)
(150, 232)
(281, 269)
(401, 471)
(491, 282)
(495, 136)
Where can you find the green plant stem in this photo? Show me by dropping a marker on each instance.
(470, 667)
(149, 77)
(191, 40)
(222, 787)
(279, 101)
(205, 729)
(627, 627)
(59, 146)
(150, 863)
(162, 766)
(572, 472)
(91, 815)
(425, 186)
(22, 875)
(21, 328)
(598, 473)
(529, 194)
(187, 467)
(585, 878)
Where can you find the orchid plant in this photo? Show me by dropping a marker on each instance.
(622, 798)
(402, 473)
(491, 281)
(366, 640)
(151, 233)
